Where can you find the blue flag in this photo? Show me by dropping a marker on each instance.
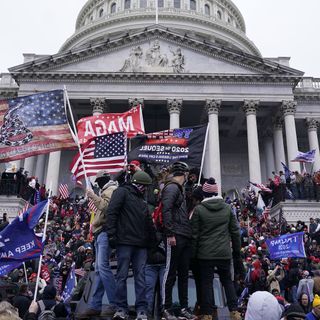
(70, 285)
(287, 246)
(18, 242)
(286, 170)
(305, 156)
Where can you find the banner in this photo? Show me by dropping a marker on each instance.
(130, 122)
(287, 246)
(33, 125)
(166, 147)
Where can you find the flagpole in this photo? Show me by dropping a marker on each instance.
(25, 272)
(76, 138)
(43, 240)
(203, 153)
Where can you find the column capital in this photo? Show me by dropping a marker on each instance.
(312, 124)
(174, 105)
(288, 107)
(134, 102)
(250, 106)
(213, 106)
(98, 105)
(277, 123)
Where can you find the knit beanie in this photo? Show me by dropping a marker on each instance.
(210, 188)
(316, 301)
(294, 311)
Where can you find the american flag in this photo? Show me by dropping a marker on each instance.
(64, 191)
(32, 125)
(92, 207)
(107, 152)
(261, 186)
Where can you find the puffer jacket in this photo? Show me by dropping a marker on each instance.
(102, 203)
(213, 226)
(174, 211)
(128, 219)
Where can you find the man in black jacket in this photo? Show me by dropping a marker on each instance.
(129, 227)
(177, 230)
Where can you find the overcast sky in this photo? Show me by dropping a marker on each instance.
(277, 27)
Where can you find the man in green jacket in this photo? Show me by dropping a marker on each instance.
(213, 227)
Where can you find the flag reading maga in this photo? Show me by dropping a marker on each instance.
(130, 122)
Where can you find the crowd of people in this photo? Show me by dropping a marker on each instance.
(168, 229)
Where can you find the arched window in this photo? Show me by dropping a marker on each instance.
(127, 4)
(177, 4)
(143, 3)
(160, 3)
(193, 5)
(207, 10)
(113, 8)
(219, 14)
(101, 11)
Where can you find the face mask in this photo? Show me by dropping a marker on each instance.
(140, 187)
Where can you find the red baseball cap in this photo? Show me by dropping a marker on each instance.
(135, 163)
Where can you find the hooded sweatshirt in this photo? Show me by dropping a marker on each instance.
(263, 305)
(213, 226)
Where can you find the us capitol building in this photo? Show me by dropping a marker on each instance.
(194, 65)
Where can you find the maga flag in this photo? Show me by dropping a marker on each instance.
(18, 242)
(33, 125)
(165, 147)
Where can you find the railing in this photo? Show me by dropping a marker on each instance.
(6, 81)
(309, 83)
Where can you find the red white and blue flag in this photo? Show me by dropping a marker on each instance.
(64, 191)
(107, 152)
(33, 125)
(305, 156)
(261, 186)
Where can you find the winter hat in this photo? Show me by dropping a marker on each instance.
(210, 188)
(294, 311)
(316, 301)
(49, 292)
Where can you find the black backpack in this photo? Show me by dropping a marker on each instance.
(44, 313)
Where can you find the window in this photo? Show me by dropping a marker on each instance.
(177, 4)
(160, 3)
(143, 3)
(193, 5)
(219, 14)
(127, 4)
(207, 10)
(101, 13)
(113, 8)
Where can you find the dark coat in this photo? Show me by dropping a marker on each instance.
(174, 211)
(22, 302)
(128, 219)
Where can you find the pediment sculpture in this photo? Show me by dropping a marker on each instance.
(154, 61)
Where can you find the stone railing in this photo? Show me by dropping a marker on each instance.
(309, 83)
(7, 81)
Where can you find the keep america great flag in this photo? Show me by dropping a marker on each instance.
(33, 125)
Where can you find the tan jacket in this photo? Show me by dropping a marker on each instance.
(273, 280)
(102, 202)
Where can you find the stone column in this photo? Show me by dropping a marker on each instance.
(174, 107)
(268, 153)
(279, 154)
(312, 125)
(29, 164)
(213, 108)
(134, 102)
(288, 109)
(98, 106)
(53, 171)
(250, 108)
(39, 171)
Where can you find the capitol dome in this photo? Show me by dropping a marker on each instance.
(217, 21)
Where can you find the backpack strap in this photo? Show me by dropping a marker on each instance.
(41, 305)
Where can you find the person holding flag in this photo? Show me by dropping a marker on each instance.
(104, 281)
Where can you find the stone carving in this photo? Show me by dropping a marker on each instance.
(213, 106)
(174, 105)
(133, 102)
(250, 106)
(154, 60)
(312, 124)
(98, 105)
(288, 107)
(133, 63)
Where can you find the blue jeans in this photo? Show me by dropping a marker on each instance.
(138, 257)
(104, 278)
(153, 273)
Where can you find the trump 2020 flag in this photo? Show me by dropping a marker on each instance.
(287, 246)
(32, 125)
(70, 285)
(18, 242)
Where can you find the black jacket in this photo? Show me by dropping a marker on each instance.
(128, 219)
(174, 212)
(22, 302)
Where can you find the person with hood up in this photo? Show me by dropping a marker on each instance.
(315, 313)
(213, 225)
(130, 229)
(258, 277)
(104, 281)
(263, 305)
